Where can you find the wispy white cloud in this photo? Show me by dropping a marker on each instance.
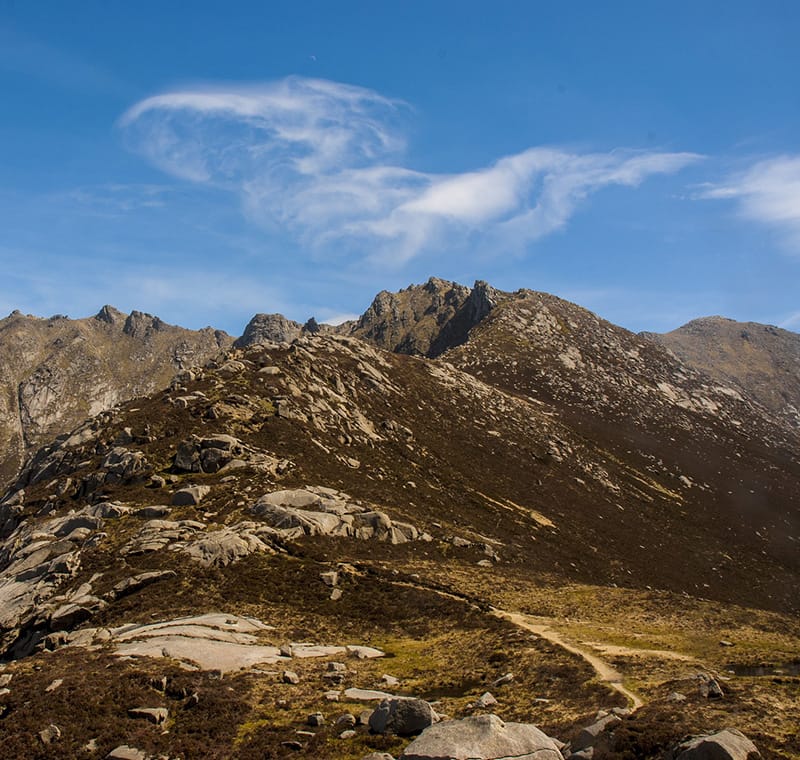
(337, 318)
(324, 161)
(116, 199)
(767, 192)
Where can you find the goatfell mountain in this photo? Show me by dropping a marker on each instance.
(491, 506)
(763, 359)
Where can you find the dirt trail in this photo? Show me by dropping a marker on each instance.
(541, 627)
(604, 671)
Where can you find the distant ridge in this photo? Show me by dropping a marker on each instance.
(55, 372)
(764, 360)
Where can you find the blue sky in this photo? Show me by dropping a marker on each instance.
(206, 161)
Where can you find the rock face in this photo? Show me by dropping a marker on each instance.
(424, 319)
(56, 372)
(269, 328)
(483, 737)
(761, 359)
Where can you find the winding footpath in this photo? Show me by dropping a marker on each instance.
(541, 627)
(604, 671)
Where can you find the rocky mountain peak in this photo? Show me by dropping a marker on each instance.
(142, 325)
(110, 315)
(268, 328)
(427, 319)
(762, 360)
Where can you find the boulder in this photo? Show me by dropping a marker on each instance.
(153, 513)
(710, 688)
(157, 715)
(588, 736)
(316, 719)
(225, 546)
(137, 582)
(345, 720)
(124, 752)
(187, 458)
(403, 717)
(482, 737)
(50, 734)
(728, 744)
(190, 496)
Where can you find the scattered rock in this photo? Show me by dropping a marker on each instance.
(503, 680)
(485, 700)
(289, 676)
(157, 715)
(710, 688)
(362, 652)
(50, 734)
(346, 720)
(316, 719)
(366, 695)
(329, 578)
(124, 752)
(587, 737)
(54, 685)
(403, 717)
(190, 496)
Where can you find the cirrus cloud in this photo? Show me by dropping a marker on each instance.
(324, 160)
(767, 192)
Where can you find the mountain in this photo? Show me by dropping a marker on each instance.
(762, 359)
(423, 320)
(56, 372)
(553, 516)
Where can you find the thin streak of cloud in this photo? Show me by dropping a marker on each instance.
(768, 192)
(323, 160)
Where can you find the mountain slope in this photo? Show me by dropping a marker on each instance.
(56, 372)
(349, 496)
(554, 510)
(762, 359)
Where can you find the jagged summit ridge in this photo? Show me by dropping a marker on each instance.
(425, 320)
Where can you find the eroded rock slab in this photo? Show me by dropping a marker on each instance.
(482, 737)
